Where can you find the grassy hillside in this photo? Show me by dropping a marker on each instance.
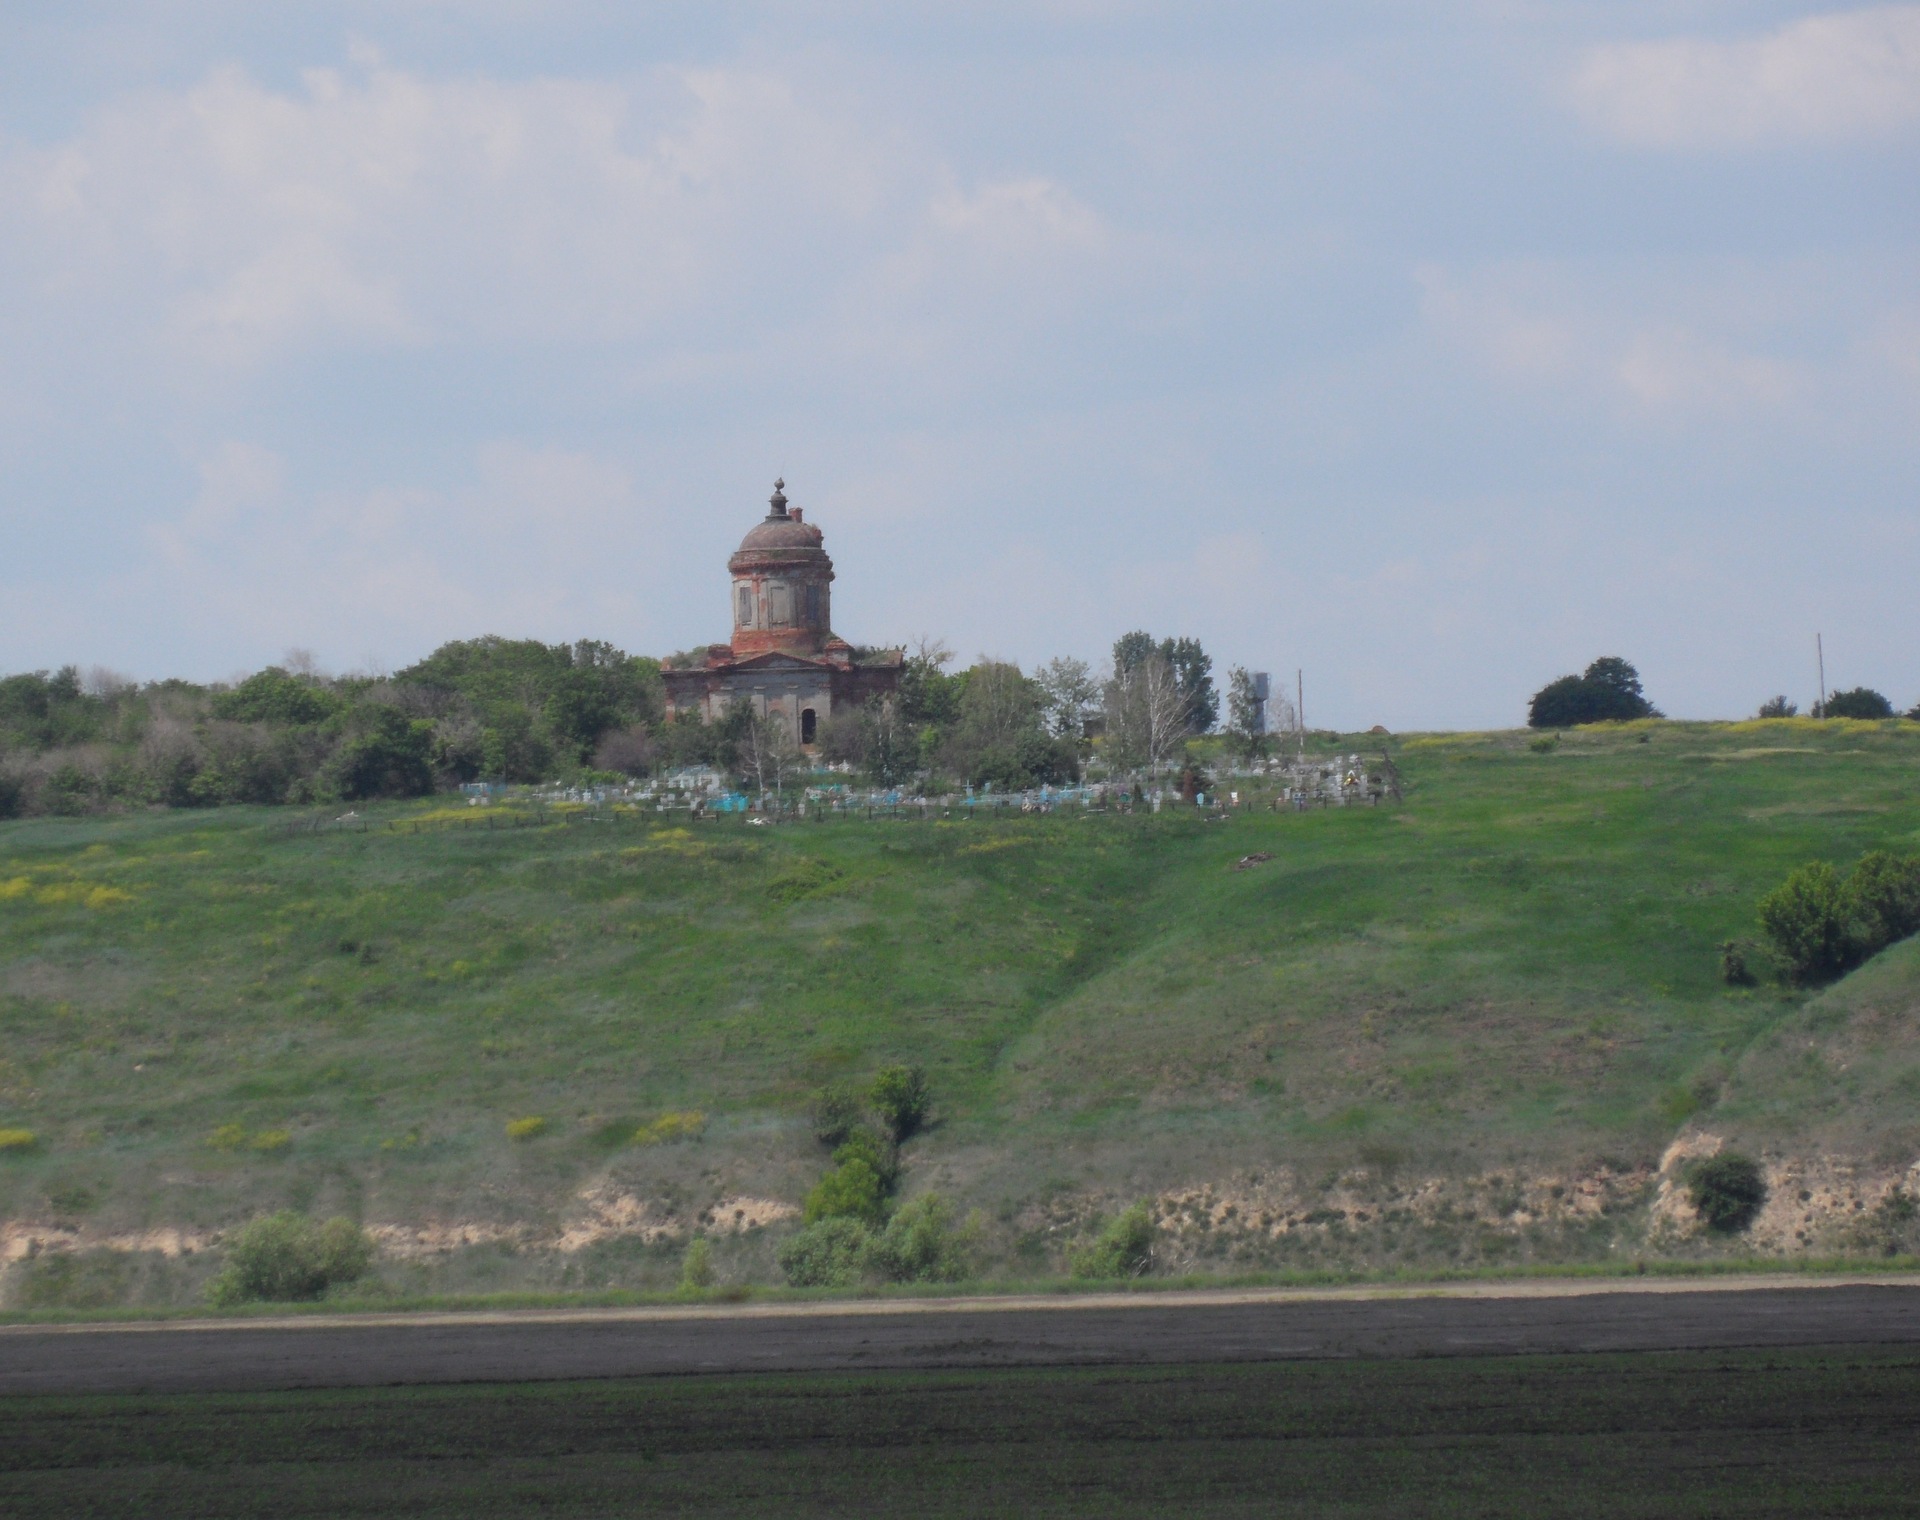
(1508, 985)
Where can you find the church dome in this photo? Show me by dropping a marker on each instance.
(780, 534)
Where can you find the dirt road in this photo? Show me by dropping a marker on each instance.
(1466, 1320)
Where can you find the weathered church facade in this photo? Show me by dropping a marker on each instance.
(784, 657)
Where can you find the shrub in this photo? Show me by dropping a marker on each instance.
(1546, 744)
(1883, 900)
(17, 1139)
(286, 1256)
(1861, 702)
(696, 1268)
(921, 1243)
(675, 1124)
(1728, 1190)
(1123, 1249)
(852, 1190)
(271, 1140)
(526, 1129)
(1734, 970)
(899, 1095)
(1777, 707)
(13, 794)
(1806, 918)
(837, 1112)
(828, 1253)
(73, 1280)
(69, 791)
(1823, 926)
(804, 878)
(228, 1137)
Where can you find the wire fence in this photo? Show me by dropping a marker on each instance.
(588, 809)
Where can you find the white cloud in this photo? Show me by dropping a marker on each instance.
(1704, 344)
(1498, 315)
(1669, 370)
(1847, 76)
(1019, 216)
(384, 207)
(540, 540)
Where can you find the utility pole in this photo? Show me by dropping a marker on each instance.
(1300, 709)
(1820, 652)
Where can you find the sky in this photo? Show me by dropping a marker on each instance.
(1431, 347)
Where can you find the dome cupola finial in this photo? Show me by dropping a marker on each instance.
(778, 501)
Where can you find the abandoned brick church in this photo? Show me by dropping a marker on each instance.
(785, 657)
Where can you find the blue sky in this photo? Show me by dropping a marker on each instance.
(1434, 347)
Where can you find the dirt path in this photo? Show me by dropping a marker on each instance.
(1474, 1319)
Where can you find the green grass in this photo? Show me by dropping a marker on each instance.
(1515, 972)
(1747, 1433)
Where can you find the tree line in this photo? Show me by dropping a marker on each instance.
(521, 711)
(1609, 691)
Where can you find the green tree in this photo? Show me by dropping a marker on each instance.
(1882, 901)
(1192, 669)
(384, 754)
(928, 695)
(900, 1096)
(999, 736)
(1033, 760)
(851, 1190)
(764, 752)
(1860, 702)
(999, 705)
(1729, 1190)
(1131, 651)
(1190, 666)
(1806, 918)
(277, 697)
(1608, 692)
(696, 1267)
(1123, 1249)
(40, 711)
(829, 1253)
(601, 689)
(923, 1243)
(286, 1257)
(890, 755)
(512, 749)
(1146, 716)
(1245, 728)
(728, 735)
(1069, 694)
(837, 1112)
(539, 702)
(687, 740)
